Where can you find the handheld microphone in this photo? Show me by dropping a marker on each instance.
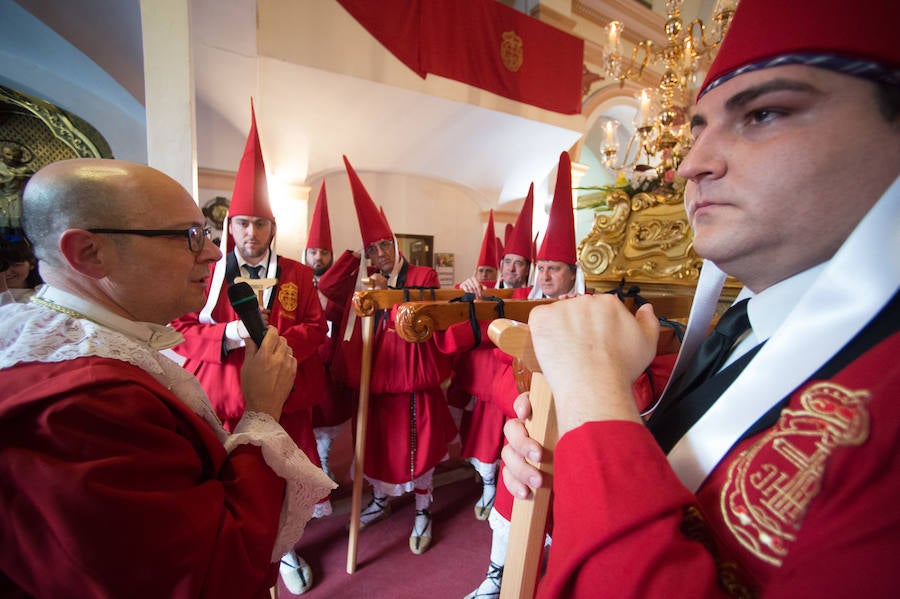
(244, 302)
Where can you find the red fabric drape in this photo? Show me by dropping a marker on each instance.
(482, 43)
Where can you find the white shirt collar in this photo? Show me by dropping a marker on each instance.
(156, 336)
(768, 309)
(242, 263)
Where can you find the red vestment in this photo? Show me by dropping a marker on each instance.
(476, 371)
(112, 487)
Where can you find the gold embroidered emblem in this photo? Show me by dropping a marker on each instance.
(287, 296)
(511, 51)
(771, 484)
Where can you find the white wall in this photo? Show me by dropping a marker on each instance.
(38, 62)
(413, 205)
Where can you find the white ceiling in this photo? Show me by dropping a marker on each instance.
(308, 116)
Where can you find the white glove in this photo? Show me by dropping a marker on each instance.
(235, 333)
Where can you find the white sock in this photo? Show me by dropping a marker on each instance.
(423, 501)
(499, 544)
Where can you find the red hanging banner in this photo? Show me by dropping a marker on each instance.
(482, 43)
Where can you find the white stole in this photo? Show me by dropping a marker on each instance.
(853, 287)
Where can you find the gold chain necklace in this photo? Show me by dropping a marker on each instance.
(58, 308)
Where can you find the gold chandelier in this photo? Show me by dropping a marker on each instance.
(661, 132)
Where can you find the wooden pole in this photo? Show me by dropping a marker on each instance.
(529, 516)
(362, 413)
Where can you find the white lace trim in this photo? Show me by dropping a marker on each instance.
(306, 483)
(33, 333)
(382, 488)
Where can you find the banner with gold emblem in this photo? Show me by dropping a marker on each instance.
(483, 43)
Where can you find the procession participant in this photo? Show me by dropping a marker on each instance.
(557, 265)
(479, 374)
(215, 337)
(515, 261)
(474, 369)
(319, 254)
(334, 411)
(488, 258)
(118, 479)
(557, 271)
(409, 423)
(773, 474)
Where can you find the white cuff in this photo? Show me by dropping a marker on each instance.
(306, 483)
(235, 333)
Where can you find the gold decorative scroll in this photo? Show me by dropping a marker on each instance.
(34, 133)
(646, 240)
(644, 237)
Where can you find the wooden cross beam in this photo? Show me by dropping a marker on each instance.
(417, 319)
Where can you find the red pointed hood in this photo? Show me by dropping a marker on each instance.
(519, 240)
(488, 256)
(851, 37)
(251, 190)
(559, 240)
(320, 227)
(372, 224)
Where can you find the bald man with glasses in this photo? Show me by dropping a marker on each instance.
(125, 483)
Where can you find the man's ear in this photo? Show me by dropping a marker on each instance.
(84, 251)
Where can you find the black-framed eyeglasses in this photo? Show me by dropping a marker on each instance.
(196, 235)
(385, 245)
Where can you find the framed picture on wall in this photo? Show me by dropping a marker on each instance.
(444, 265)
(418, 249)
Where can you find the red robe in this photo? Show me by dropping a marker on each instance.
(476, 371)
(805, 508)
(410, 426)
(297, 314)
(339, 401)
(112, 487)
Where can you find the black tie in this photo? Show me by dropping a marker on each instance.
(253, 271)
(671, 419)
(714, 350)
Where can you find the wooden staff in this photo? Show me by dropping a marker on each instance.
(362, 412)
(529, 516)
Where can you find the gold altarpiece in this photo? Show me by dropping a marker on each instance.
(644, 239)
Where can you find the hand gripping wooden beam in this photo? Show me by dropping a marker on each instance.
(529, 516)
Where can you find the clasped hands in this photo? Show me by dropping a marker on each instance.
(591, 349)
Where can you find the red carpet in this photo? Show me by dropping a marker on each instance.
(454, 565)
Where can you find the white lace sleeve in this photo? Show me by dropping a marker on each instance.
(306, 483)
